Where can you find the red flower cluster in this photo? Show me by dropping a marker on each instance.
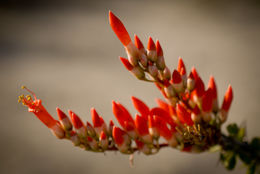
(189, 119)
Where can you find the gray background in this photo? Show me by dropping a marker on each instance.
(67, 53)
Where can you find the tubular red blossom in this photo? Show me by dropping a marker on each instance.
(141, 125)
(76, 121)
(138, 43)
(164, 115)
(122, 115)
(118, 135)
(119, 28)
(227, 99)
(162, 104)
(126, 63)
(119, 114)
(35, 106)
(127, 115)
(181, 67)
(141, 107)
(129, 126)
(183, 115)
(162, 127)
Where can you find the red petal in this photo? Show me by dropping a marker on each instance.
(141, 125)
(61, 114)
(176, 77)
(103, 136)
(159, 49)
(207, 101)
(183, 115)
(118, 135)
(141, 107)
(138, 43)
(162, 127)
(129, 126)
(194, 73)
(139, 144)
(76, 121)
(126, 63)
(151, 45)
(227, 99)
(199, 87)
(164, 115)
(119, 29)
(181, 67)
(213, 87)
(127, 115)
(97, 122)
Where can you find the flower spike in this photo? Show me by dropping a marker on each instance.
(189, 118)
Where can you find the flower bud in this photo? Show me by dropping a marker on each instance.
(78, 124)
(142, 128)
(152, 69)
(64, 120)
(167, 73)
(92, 143)
(139, 44)
(74, 138)
(153, 130)
(132, 53)
(177, 81)
(90, 130)
(58, 131)
(151, 50)
(103, 140)
(143, 147)
(138, 72)
(190, 82)
(160, 63)
(143, 60)
(98, 122)
(169, 91)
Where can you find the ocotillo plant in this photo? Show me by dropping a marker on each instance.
(188, 119)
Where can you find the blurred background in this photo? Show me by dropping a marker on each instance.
(66, 52)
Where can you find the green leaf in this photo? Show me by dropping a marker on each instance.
(245, 158)
(251, 169)
(215, 148)
(241, 134)
(233, 129)
(229, 160)
(255, 143)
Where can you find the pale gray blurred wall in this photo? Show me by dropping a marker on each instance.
(67, 53)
